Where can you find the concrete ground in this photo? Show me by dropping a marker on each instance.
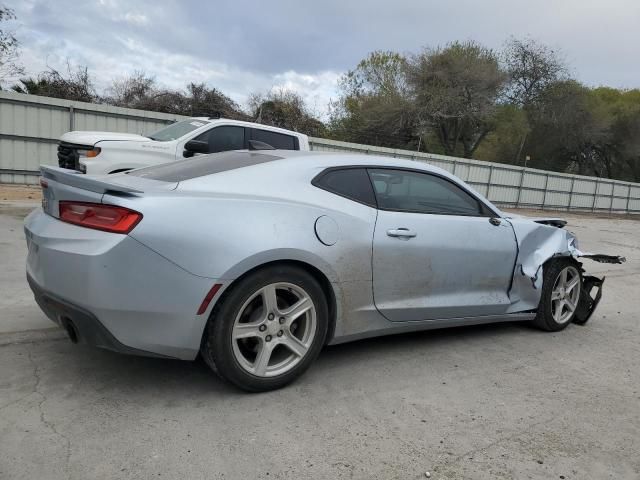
(498, 401)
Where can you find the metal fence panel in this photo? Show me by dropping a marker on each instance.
(584, 185)
(581, 201)
(30, 127)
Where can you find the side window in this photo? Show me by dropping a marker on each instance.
(275, 139)
(352, 183)
(224, 138)
(422, 193)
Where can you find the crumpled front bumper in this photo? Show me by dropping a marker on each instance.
(588, 302)
(538, 243)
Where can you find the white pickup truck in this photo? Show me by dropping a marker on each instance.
(99, 153)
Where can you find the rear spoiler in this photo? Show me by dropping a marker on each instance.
(82, 181)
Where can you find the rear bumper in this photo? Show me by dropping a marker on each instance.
(81, 325)
(117, 293)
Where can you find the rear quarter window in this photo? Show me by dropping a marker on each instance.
(275, 139)
(351, 183)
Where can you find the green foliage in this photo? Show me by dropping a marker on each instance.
(374, 106)
(75, 85)
(532, 67)
(285, 109)
(509, 131)
(380, 74)
(455, 90)
(462, 99)
(567, 127)
(466, 100)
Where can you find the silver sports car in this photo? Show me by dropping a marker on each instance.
(257, 259)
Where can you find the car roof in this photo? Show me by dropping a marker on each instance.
(229, 121)
(318, 159)
(247, 168)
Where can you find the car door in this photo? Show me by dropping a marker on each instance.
(438, 252)
(222, 138)
(226, 137)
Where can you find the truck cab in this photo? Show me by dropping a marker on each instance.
(100, 153)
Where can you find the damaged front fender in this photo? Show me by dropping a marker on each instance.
(538, 241)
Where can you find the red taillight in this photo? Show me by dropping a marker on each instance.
(43, 183)
(99, 216)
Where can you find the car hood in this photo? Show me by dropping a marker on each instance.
(91, 138)
(551, 221)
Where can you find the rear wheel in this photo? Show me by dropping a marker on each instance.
(268, 329)
(561, 290)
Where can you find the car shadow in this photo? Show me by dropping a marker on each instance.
(107, 371)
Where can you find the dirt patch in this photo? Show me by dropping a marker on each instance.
(20, 192)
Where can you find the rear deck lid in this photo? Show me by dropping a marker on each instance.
(60, 184)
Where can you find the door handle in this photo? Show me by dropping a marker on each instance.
(401, 233)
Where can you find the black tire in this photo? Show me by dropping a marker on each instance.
(217, 343)
(551, 271)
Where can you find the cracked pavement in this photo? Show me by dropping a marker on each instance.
(498, 401)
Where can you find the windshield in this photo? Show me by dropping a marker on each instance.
(177, 130)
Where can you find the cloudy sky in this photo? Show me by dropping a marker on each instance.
(244, 46)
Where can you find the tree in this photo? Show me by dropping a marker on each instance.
(510, 126)
(76, 85)
(569, 130)
(532, 67)
(455, 90)
(134, 91)
(202, 100)
(285, 109)
(139, 90)
(620, 153)
(381, 73)
(374, 106)
(9, 66)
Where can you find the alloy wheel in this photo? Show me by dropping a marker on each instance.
(274, 329)
(565, 294)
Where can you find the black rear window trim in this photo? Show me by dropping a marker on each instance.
(318, 178)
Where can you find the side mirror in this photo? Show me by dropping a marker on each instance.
(195, 146)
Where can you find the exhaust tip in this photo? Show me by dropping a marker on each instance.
(71, 330)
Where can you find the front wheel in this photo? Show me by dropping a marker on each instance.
(268, 329)
(561, 288)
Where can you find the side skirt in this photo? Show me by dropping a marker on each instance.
(405, 327)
